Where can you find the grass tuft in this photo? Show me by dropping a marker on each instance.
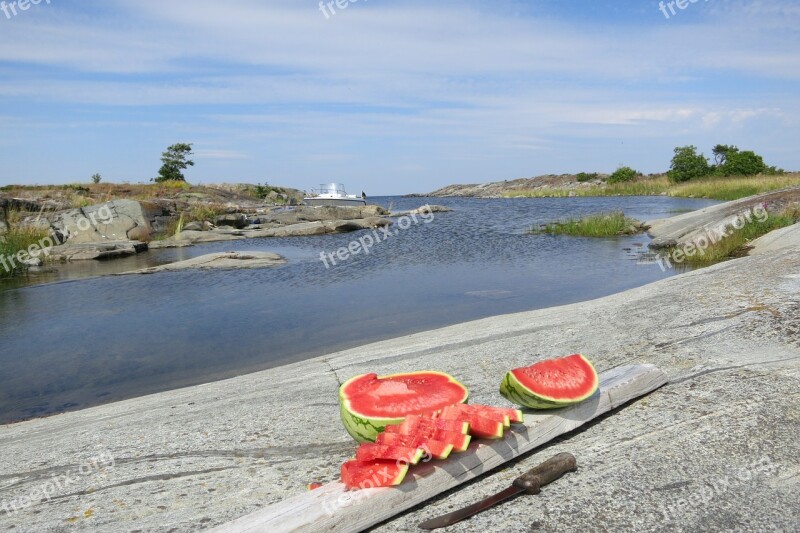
(602, 225)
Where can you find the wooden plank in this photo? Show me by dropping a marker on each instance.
(331, 508)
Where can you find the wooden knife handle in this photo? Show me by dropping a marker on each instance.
(552, 469)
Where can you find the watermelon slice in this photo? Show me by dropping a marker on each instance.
(552, 383)
(369, 403)
(436, 448)
(478, 426)
(498, 414)
(366, 475)
(370, 451)
(417, 423)
(460, 441)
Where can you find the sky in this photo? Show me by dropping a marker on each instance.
(390, 96)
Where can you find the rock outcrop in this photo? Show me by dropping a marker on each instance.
(219, 261)
(696, 225)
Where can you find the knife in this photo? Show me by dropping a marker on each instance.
(530, 483)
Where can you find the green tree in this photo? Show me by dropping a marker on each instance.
(96, 178)
(622, 174)
(721, 152)
(746, 163)
(687, 164)
(174, 161)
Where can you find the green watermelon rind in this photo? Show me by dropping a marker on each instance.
(514, 391)
(366, 429)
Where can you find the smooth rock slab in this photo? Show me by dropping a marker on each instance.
(788, 237)
(689, 227)
(219, 261)
(714, 450)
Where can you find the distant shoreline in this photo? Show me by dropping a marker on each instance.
(568, 185)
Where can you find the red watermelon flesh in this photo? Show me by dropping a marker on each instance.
(485, 412)
(437, 449)
(460, 441)
(370, 451)
(415, 423)
(478, 426)
(398, 395)
(366, 475)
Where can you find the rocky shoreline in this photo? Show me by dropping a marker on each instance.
(124, 227)
(714, 450)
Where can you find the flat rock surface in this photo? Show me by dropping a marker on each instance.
(788, 237)
(218, 261)
(714, 450)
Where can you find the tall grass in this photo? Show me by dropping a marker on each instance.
(601, 225)
(736, 244)
(733, 188)
(716, 188)
(13, 241)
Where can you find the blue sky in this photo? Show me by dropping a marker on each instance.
(390, 96)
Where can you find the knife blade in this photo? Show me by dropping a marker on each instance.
(530, 483)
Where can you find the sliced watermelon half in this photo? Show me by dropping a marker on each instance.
(435, 448)
(479, 426)
(369, 403)
(552, 383)
(367, 475)
(369, 451)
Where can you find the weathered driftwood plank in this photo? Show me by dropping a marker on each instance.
(331, 508)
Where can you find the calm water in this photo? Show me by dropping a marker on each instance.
(80, 342)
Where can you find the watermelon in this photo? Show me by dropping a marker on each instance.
(498, 414)
(552, 383)
(435, 448)
(369, 403)
(479, 426)
(366, 475)
(370, 451)
(416, 423)
(459, 440)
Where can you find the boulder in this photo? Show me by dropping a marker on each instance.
(234, 220)
(117, 220)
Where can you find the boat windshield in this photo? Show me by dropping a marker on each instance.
(332, 188)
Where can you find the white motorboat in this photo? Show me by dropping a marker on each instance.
(334, 194)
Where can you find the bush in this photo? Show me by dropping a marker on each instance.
(622, 174)
(96, 178)
(583, 176)
(687, 164)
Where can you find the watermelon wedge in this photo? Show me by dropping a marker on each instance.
(498, 414)
(436, 448)
(370, 451)
(369, 403)
(479, 426)
(366, 475)
(552, 383)
(458, 440)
